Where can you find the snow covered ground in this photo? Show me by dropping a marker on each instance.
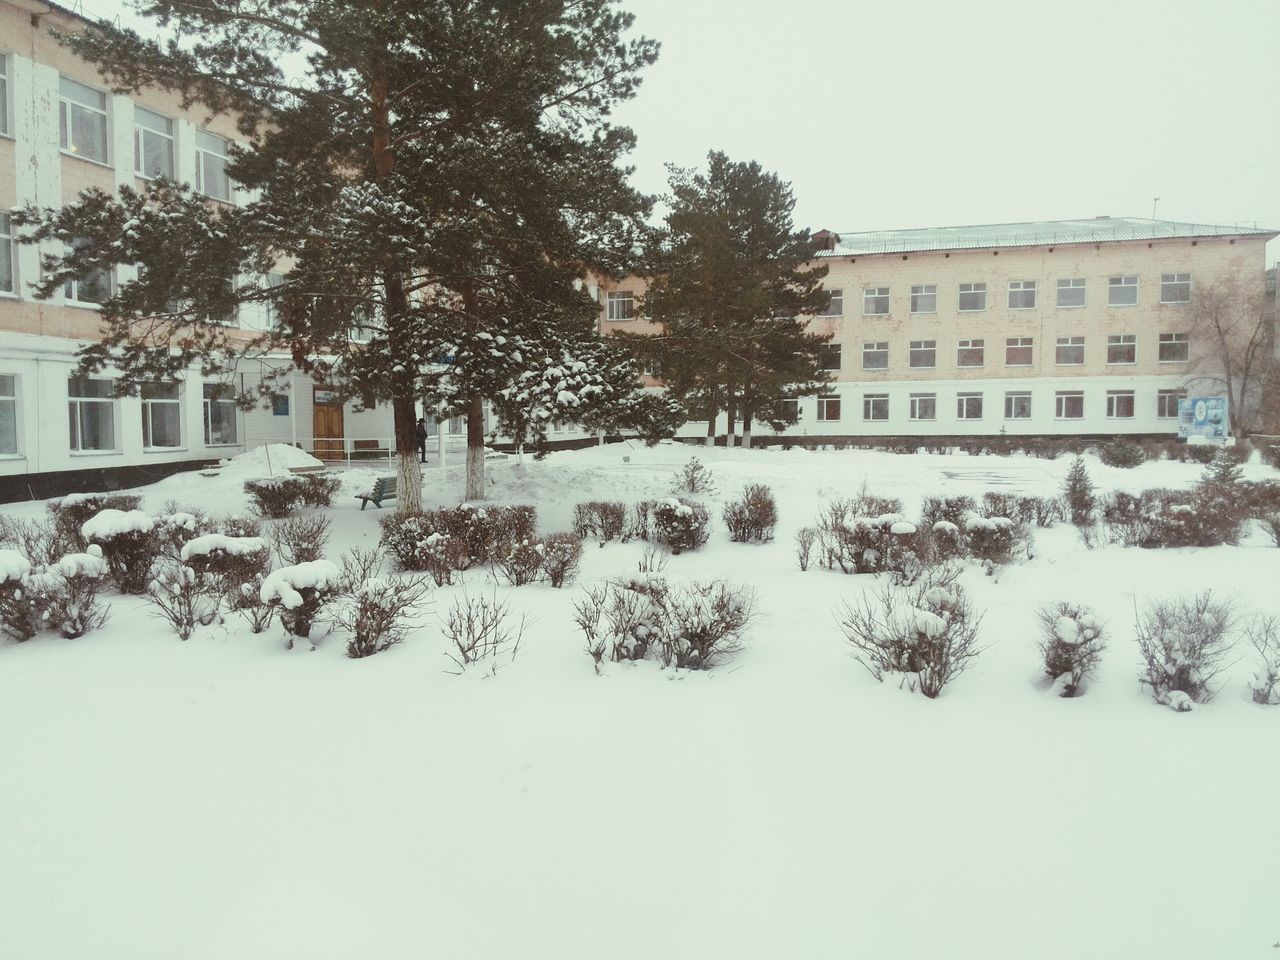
(227, 798)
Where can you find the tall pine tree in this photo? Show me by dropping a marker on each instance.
(730, 289)
(440, 176)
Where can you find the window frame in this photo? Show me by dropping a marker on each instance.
(1172, 340)
(207, 409)
(76, 418)
(877, 347)
(871, 297)
(1011, 398)
(66, 125)
(1070, 344)
(612, 297)
(1061, 399)
(201, 175)
(873, 403)
(148, 415)
(8, 256)
(963, 404)
(1120, 282)
(1165, 281)
(921, 291)
(1113, 405)
(9, 401)
(5, 112)
(1162, 403)
(829, 353)
(914, 407)
(1024, 287)
(932, 350)
(977, 288)
(1122, 340)
(139, 144)
(972, 343)
(1020, 343)
(1073, 283)
(835, 303)
(71, 289)
(826, 401)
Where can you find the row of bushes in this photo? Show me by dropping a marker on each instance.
(1124, 451)
(279, 496)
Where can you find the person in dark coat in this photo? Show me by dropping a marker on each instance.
(422, 440)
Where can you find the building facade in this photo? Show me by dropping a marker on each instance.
(1072, 328)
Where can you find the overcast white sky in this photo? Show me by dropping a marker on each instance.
(932, 112)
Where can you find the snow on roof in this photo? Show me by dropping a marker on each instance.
(1036, 233)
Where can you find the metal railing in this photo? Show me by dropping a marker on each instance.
(357, 451)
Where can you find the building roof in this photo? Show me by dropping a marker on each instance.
(1037, 233)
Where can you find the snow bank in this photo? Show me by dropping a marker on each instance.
(108, 524)
(13, 566)
(236, 546)
(273, 459)
(284, 584)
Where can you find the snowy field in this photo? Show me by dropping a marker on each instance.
(226, 798)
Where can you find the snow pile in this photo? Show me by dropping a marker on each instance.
(88, 564)
(973, 522)
(13, 566)
(284, 584)
(902, 528)
(235, 546)
(1073, 631)
(109, 524)
(272, 459)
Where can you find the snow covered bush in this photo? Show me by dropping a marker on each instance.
(953, 510)
(175, 528)
(446, 540)
(377, 608)
(1263, 634)
(1271, 524)
(73, 586)
(641, 524)
(42, 542)
(1206, 516)
(241, 526)
(855, 542)
(300, 539)
(994, 540)
(926, 633)
(523, 564)
(1122, 453)
(229, 565)
(1008, 505)
(275, 497)
(805, 538)
(1071, 644)
(129, 544)
(1077, 493)
(752, 517)
(603, 520)
(704, 624)
(72, 511)
(301, 593)
(1042, 511)
(694, 478)
(182, 597)
(318, 489)
(946, 541)
(22, 607)
(561, 556)
(481, 632)
(491, 532)
(680, 524)
(622, 618)
(1184, 643)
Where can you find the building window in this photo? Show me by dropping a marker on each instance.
(1069, 352)
(969, 406)
(1022, 294)
(829, 356)
(621, 304)
(875, 355)
(280, 405)
(652, 367)
(82, 120)
(92, 409)
(828, 407)
(273, 282)
(875, 406)
(924, 406)
(1167, 403)
(789, 409)
(1071, 292)
(1017, 405)
(924, 354)
(875, 301)
(211, 166)
(1070, 405)
(1120, 404)
(8, 413)
(457, 426)
(835, 304)
(1122, 291)
(1175, 348)
(7, 281)
(1122, 348)
(93, 286)
(4, 94)
(152, 144)
(1018, 351)
(161, 416)
(973, 296)
(971, 353)
(219, 415)
(1175, 288)
(924, 298)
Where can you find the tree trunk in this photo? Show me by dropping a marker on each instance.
(475, 448)
(746, 427)
(731, 413)
(408, 470)
(712, 411)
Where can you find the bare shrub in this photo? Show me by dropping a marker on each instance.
(652, 560)
(241, 526)
(752, 517)
(475, 536)
(42, 542)
(694, 478)
(73, 594)
(71, 513)
(378, 609)
(175, 528)
(22, 607)
(621, 618)
(1184, 643)
(952, 510)
(680, 524)
(704, 624)
(523, 564)
(482, 632)
(857, 542)
(1071, 643)
(805, 538)
(926, 632)
(300, 539)
(249, 604)
(994, 540)
(274, 496)
(561, 557)
(181, 597)
(1263, 634)
(129, 544)
(1271, 524)
(603, 520)
(300, 593)
(230, 564)
(641, 525)
(1043, 511)
(318, 489)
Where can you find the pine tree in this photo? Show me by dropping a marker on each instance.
(1077, 490)
(441, 176)
(730, 284)
(1223, 470)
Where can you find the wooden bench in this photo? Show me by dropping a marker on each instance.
(383, 489)
(317, 468)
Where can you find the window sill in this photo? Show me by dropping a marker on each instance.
(1071, 306)
(235, 443)
(96, 453)
(1021, 308)
(82, 305)
(8, 295)
(971, 309)
(1120, 306)
(1170, 362)
(1020, 366)
(12, 456)
(1174, 303)
(1122, 363)
(80, 156)
(166, 450)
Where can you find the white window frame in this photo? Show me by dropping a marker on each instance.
(8, 259)
(972, 343)
(830, 356)
(964, 406)
(924, 298)
(140, 133)
(871, 298)
(67, 105)
(76, 418)
(1011, 403)
(208, 402)
(1167, 403)
(827, 401)
(619, 305)
(1122, 340)
(272, 281)
(1123, 285)
(873, 348)
(923, 346)
(975, 289)
(71, 290)
(1173, 340)
(835, 304)
(4, 96)
(148, 415)
(1061, 404)
(918, 400)
(873, 404)
(1018, 289)
(1175, 280)
(9, 407)
(1113, 404)
(203, 150)
(1070, 285)
(1069, 343)
(1020, 343)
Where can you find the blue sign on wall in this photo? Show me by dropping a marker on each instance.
(1203, 417)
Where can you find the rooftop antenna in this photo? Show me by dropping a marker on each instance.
(1154, 201)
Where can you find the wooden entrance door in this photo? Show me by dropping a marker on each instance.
(327, 426)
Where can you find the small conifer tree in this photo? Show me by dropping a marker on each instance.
(1077, 490)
